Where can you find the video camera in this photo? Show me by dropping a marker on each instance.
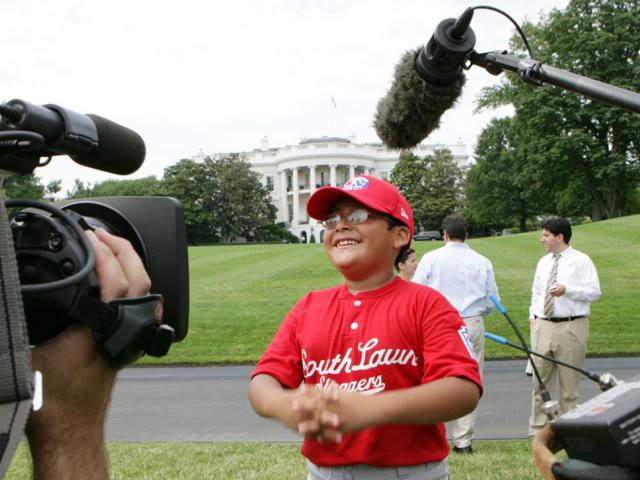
(55, 259)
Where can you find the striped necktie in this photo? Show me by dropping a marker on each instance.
(553, 276)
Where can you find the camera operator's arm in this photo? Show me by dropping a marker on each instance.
(544, 445)
(66, 437)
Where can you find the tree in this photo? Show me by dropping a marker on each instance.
(432, 185)
(79, 189)
(28, 186)
(139, 187)
(502, 189)
(189, 182)
(223, 200)
(583, 151)
(244, 207)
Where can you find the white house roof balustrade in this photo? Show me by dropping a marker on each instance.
(294, 172)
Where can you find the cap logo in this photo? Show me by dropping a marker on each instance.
(358, 183)
(403, 214)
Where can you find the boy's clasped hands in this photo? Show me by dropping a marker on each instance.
(325, 415)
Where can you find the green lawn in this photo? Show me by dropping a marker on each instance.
(239, 294)
(491, 460)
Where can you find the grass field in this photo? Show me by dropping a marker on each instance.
(495, 460)
(240, 294)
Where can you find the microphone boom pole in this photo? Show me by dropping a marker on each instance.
(537, 73)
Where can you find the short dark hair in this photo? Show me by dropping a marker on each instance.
(557, 226)
(456, 226)
(403, 256)
(404, 251)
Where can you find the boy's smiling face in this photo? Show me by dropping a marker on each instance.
(365, 250)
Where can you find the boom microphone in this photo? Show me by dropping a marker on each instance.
(427, 81)
(89, 140)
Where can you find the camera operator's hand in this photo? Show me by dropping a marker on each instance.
(544, 445)
(66, 436)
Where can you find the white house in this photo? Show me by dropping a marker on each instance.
(294, 172)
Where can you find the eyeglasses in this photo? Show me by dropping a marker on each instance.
(355, 217)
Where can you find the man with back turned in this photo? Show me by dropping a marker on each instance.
(466, 279)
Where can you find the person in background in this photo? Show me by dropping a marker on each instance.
(466, 279)
(406, 264)
(564, 285)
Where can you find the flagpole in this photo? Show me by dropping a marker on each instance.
(331, 124)
(332, 107)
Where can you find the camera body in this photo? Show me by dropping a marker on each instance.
(48, 250)
(56, 285)
(55, 259)
(605, 429)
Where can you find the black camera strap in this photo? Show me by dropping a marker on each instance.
(90, 311)
(124, 329)
(16, 375)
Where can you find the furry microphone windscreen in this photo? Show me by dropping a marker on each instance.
(120, 150)
(412, 108)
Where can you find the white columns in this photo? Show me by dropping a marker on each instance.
(284, 200)
(296, 197)
(333, 174)
(352, 172)
(312, 178)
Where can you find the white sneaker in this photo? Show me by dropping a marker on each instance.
(528, 369)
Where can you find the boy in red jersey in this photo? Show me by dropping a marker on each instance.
(368, 371)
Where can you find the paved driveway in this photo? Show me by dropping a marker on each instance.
(209, 404)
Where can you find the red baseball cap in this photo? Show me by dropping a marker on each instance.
(372, 192)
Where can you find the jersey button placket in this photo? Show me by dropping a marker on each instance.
(354, 324)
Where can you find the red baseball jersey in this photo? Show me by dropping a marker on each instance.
(398, 336)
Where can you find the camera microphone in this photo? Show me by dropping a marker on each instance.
(427, 82)
(90, 140)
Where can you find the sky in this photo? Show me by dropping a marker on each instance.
(219, 75)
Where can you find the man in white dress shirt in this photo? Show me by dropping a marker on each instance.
(466, 279)
(564, 285)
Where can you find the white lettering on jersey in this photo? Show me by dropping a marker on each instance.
(468, 343)
(365, 386)
(366, 358)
